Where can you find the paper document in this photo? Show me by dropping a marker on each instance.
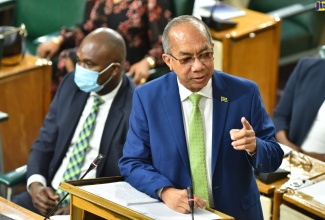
(316, 191)
(285, 149)
(60, 217)
(124, 194)
(160, 211)
(119, 192)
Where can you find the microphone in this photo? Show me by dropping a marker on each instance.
(190, 200)
(93, 165)
(216, 23)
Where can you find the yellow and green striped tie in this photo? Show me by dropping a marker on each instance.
(77, 157)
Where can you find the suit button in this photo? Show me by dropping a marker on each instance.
(260, 166)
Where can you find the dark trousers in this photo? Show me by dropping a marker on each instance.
(25, 200)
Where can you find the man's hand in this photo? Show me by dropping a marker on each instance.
(177, 200)
(63, 211)
(140, 70)
(44, 198)
(244, 139)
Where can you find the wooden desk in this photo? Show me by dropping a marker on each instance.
(306, 202)
(85, 205)
(17, 212)
(251, 50)
(25, 97)
(317, 173)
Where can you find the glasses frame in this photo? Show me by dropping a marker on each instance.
(192, 60)
(297, 159)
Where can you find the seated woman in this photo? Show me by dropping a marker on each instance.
(141, 24)
(299, 117)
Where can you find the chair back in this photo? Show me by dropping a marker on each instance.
(46, 16)
(182, 7)
(299, 32)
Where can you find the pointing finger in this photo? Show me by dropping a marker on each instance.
(246, 124)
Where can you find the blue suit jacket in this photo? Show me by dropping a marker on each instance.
(155, 153)
(61, 121)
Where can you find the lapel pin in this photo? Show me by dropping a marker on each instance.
(224, 99)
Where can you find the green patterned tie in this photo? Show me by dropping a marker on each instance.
(77, 157)
(197, 151)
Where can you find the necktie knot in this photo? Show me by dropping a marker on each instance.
(195, 98)
(98, 101)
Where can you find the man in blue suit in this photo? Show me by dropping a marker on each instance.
(99, 74)
(238, 132)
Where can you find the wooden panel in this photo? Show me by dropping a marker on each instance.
(25, 96)
(252, 57)
(251, 50)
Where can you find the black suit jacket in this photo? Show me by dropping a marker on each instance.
(61, 121)
(303, 96)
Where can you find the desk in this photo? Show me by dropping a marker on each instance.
(25, 97)
(17, 212)
(306, 202)
(85, 205)
(251, 50)
(277, 195)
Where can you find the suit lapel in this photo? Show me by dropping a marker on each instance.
(73, 108)
(173, 108)
(221, 100)
(113, 120)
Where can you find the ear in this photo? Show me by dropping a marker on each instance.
(116, 69)
(167, 60)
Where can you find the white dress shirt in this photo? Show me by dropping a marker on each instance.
(315, 139)
(94, 141)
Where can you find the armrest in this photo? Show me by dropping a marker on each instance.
(3, 116)
(14, 177)
(45, 38)
(291, 10)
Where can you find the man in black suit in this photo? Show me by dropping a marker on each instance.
(99, 72)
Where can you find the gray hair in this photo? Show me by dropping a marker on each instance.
(180, 20)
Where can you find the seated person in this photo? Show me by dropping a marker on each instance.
(68, 131)
(299, 117)
(140, 23)
(200, 127)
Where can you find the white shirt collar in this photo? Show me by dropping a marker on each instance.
(206, 91)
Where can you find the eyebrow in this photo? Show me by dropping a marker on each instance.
(181, 53)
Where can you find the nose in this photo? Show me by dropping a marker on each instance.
(197, 64)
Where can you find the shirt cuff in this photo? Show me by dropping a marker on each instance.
(36, 178)
(158, 191)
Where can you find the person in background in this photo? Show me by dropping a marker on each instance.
(140, 23)
(213, 148)
(299, 117)
(68, 133)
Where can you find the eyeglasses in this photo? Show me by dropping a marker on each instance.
(298, 159)
(188, 61)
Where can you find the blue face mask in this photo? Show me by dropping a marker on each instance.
(86, 79)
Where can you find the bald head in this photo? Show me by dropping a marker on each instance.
(187, 21)
(107, 43)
